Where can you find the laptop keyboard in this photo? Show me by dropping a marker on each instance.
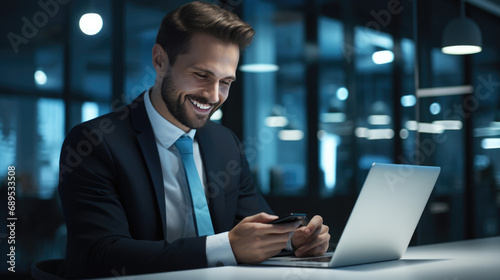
(312, 259)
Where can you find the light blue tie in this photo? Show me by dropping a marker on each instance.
(201, 213)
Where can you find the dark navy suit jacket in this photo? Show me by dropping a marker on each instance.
(112, 194)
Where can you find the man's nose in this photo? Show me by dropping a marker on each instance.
(211, 93)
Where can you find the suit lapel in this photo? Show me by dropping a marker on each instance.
(215, 191)
(146, 139)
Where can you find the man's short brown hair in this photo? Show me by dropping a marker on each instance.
(178, 27)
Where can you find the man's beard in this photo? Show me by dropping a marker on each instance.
(175, 105)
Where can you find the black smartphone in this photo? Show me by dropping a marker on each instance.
(288, 219)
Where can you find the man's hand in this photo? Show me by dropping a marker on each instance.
(254, 241)
(311, 240)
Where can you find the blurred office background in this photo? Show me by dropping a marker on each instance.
(327, 88)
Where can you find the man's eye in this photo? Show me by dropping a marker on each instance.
(226, 83)
(201, 76)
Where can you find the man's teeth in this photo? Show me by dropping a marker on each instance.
(201, 106)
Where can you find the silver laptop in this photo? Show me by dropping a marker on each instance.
(383, 219)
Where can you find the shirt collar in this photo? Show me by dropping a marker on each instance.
(165, 132)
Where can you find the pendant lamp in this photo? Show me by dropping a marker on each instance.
(462, 36)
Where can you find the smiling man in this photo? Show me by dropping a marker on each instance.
(140, 187)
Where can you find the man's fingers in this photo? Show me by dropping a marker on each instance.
(310, 232)
(316, 251)
(260, 218)
(275, 241)
(260, 223)
(266, 239)
(319, 245)
(254, 239)
(251, 241)
(314, 224)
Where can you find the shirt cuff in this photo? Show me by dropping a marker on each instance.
(218, 250)
(289, 246)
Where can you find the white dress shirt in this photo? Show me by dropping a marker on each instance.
(178, 204)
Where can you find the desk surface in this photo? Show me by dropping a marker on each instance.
(471, 259)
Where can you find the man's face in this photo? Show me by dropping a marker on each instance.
(198, 82)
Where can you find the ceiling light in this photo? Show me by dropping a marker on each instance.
(276, 121)
(90, 23)
(40, 77)
(90, 110)
(449, 124)
(374, 134)
(411, 125)
(380, 134)
(342, 93)
(217, 115)
(379, 119)
(430, 128)
(259, 68)
(291, 135)
(435, 108)
(277, 117)
(462, 36)
(408, 100)
(382, 57)
(490, 143)
(404, 133)
(361, 132)
(336, 117)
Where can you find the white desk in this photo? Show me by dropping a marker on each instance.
(473, 259)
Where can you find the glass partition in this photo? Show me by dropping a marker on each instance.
(275, 97)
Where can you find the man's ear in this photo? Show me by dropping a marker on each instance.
(160, 59)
